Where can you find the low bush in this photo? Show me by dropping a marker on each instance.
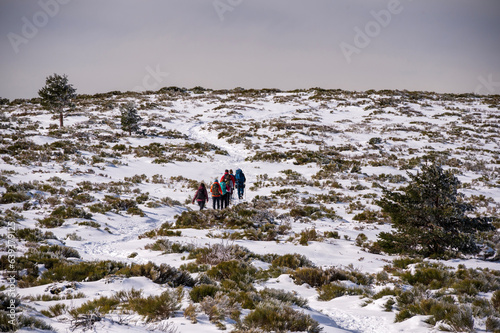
(315, 277)
(291, 261)
(274, 316)
(33, 235)
(156, 308)
(22, 321)
(239, 272)
(103, 305)
(198, 293)
(219, 307)
(333, 290)
(283, 296)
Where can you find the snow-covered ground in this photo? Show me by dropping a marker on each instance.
(460, 133)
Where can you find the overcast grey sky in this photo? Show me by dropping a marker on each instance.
(105, 45)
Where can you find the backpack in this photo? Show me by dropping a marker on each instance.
(215, 190)
(240, 177)
(227, 179)
(201, 195)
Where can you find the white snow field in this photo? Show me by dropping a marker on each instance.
(282, 141)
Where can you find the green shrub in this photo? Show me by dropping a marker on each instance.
(67, 212)
(275, 316)
(434, 276)
(22, 322)
(308, 235)
(331, 234)
(219, 307)
(361, 239)
(156, 308)
(51, 222)
(283, 296)
(403, 315)
(386, 292)
(330, 291)
(292, 261)
(234, 270)
(103, 305)
(315, 277)
(403, 262)
(493, 324)
(495, 300)
(198, 293)
(163, 274)
(13, 197)
(190, 312)
(33, 235)
(55, 310)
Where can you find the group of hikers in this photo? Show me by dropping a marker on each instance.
(222, 190)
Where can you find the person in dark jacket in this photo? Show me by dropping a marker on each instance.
(240, 182)
(216, 191)
(233, 183)
(201, 196)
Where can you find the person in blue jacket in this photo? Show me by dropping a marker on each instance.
(240, 182)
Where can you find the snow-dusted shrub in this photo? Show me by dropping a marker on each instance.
(191, 313)
(215, 254)
(124, 296)
(167, 246)
(155, 308)
(292, 261)
(219, 307)
(163, 274)
(101, 305)
(333, 290)
(495, 300)
(493, 324)
(22, 321)
(431, 275)
(279, 317)
(55, 310)
(237, 271)
(51, 222)
(283, 296)
(315, 277)
(13, 197)
(34, 235)
(199, 292)
(53, 251)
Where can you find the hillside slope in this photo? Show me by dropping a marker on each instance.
(95, 214)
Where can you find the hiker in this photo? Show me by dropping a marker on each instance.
(201, 196)
(240, 182)
(216, 193)
(226, 177)
(233, 183)
(223, 198)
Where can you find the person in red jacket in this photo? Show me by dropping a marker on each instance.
(230, 183)
(201, 196)
(216, 191)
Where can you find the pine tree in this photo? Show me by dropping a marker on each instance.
(57, 95)
(430, 217)
(129, 118)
